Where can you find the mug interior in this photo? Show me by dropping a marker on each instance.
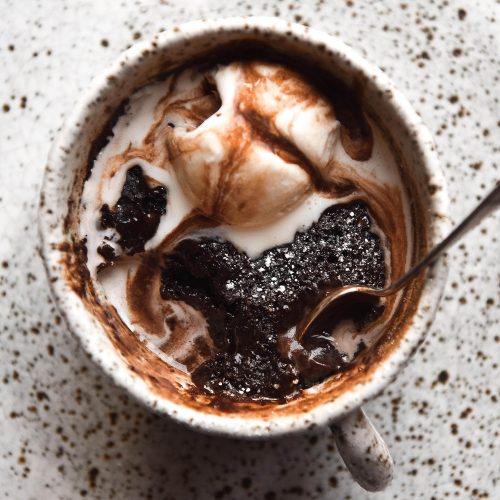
(97, 324)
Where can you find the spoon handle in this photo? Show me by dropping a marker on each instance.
(490, 203)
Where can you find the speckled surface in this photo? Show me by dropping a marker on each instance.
(68, 431)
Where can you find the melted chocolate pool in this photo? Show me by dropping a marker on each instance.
(250, 304)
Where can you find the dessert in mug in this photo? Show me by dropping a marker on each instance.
(222, 202)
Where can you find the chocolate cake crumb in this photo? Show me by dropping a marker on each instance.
(136, 215)
(249, 303)
(107, 252)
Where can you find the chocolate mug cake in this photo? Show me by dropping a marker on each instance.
(222, 201)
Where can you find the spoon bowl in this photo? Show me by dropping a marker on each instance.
(491, 202)
(333, 296)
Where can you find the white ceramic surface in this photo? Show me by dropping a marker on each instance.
(442, 59)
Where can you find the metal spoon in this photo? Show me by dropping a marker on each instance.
(491, 202)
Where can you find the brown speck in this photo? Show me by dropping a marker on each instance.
(5, 264)
(461, 14)
(22, 104)
(93, 473)
(457, 52)
(466, 412)
(333, 481)
(454, 429)
(136, 35)
(395, 402)
(104, 43)
(462, 300)
(41, 396)
(6, 108)
(453, 99)
(442, 378)
(476, 166)
(313, 440)
(246, 482)
(226, 490)
(11, 48)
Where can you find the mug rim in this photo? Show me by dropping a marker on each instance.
(90, 336)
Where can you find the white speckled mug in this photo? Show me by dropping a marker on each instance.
(363, 450)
